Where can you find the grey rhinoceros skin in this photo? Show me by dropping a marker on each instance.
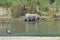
(32, 17)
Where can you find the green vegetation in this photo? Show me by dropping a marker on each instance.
(21, 7)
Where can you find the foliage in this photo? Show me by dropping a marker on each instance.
(20, 7)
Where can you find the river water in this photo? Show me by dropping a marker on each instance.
(41, 28)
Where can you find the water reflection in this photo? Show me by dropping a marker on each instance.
(18, 27)
(45, 26)
(31, 27)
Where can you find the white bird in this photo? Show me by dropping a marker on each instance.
(8, 31)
